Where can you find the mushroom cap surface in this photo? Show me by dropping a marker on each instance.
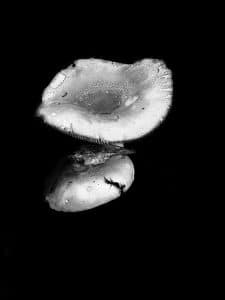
(108, 101)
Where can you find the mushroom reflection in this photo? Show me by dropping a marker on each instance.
(90, 177)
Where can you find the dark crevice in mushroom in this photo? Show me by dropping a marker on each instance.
(65, 94)
(116, 184)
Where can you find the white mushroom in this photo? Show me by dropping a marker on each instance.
(109, 103)
(79, 188)
(106, 101)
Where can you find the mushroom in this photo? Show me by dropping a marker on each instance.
(106, 101)
(90, 178)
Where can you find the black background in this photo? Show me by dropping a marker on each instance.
(136, 242)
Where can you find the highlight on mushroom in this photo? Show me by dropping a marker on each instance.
(108, 103)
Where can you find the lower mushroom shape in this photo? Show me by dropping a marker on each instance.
(90, 179)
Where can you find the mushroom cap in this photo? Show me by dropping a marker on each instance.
(79, 188)
(108, 101)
